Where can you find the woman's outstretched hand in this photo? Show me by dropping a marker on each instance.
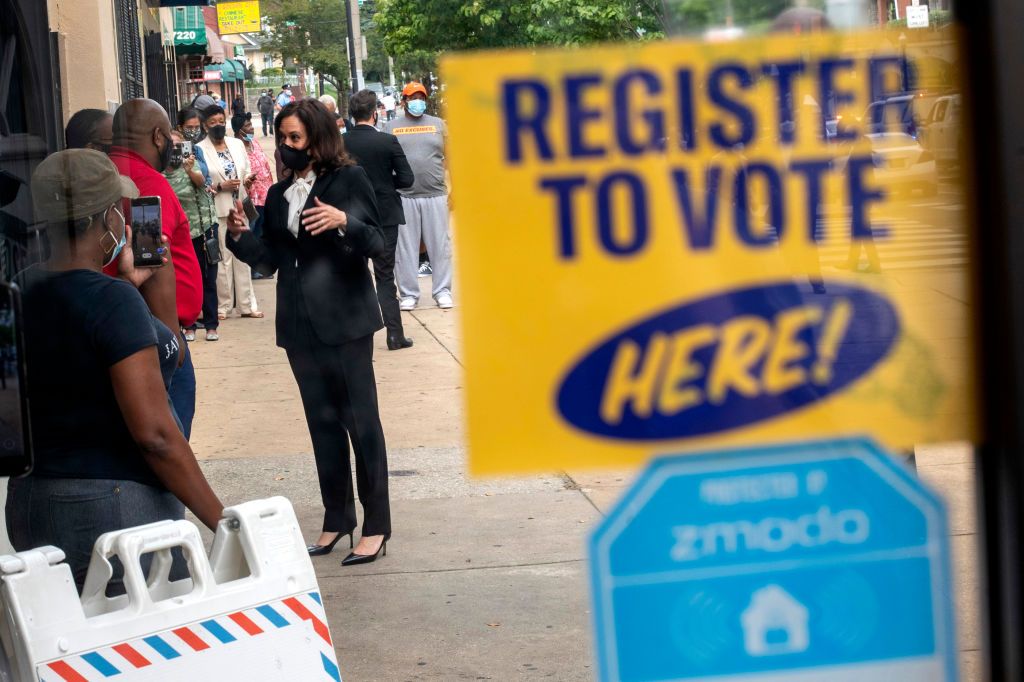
(323, 217)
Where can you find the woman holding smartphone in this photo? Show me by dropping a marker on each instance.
(229, 167)
(320, 227)
(189, 184)
(109, 453)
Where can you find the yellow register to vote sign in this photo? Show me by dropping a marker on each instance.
(674, 245)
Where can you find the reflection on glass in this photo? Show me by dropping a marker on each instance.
(11, 437)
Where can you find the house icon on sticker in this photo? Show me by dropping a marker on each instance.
(774, 623)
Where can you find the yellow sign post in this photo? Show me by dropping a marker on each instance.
(715, 243)
(238, 17)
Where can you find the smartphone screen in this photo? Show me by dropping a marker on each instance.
(186, 149)
(15, 441)
(250, 209)
(146, 232)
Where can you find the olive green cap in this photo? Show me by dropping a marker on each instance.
(77, 183)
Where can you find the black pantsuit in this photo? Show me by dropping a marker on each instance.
(327, 313)
(387, 292)
(338, 389)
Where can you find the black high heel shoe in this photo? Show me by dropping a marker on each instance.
(321, 550)
(354, 559)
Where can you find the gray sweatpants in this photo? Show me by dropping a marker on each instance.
(426, 218)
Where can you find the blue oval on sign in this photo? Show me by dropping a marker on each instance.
(728, 361)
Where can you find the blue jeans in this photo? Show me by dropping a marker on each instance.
(71, 513)
(182, 392)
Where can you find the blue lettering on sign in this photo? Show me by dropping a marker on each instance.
(726, 361)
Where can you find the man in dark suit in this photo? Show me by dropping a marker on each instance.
(382, 158)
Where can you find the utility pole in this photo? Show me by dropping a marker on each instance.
(355, 42)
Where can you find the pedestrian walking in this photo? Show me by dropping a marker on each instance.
(383, 159)
(238, 106)
(219, 102)
(190, 185)
(260, 178)
(388, 100)
(109, 453)
(265, 105)
(229, 167)
(142, 150)
(320, 228)
(90, 129)
(425, 204)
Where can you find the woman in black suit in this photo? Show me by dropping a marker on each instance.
(320, 228)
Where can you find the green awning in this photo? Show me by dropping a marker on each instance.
(227, 71)
(189, 30)
(240, 70)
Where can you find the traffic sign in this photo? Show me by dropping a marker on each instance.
(815, 561)
(917, 16)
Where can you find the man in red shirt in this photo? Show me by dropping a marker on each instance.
(142, 149)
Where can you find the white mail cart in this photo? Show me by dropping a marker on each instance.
(252, 610)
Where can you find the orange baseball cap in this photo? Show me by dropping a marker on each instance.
(414, 87)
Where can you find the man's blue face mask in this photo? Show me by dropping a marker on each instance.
(417, 107)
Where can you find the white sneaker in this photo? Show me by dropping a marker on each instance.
(445, 301)
(408, 304)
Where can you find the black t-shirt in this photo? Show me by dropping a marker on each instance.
(78, 324)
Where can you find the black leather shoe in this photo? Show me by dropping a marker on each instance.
(399, 342)
(321, 550)
(354, 559)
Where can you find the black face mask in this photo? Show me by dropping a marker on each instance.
(165, 155)
(217, 132)
(295, 159)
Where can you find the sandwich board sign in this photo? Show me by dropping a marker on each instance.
(815, 561)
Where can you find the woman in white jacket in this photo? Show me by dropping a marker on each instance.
(229, 177)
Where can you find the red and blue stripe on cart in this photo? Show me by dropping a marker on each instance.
(196, 638)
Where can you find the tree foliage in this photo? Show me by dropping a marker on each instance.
(415, 32)
(311, 32)
(689, 16)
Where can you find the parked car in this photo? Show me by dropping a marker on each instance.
(902, 164)
(940, 133)
(895, 114)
